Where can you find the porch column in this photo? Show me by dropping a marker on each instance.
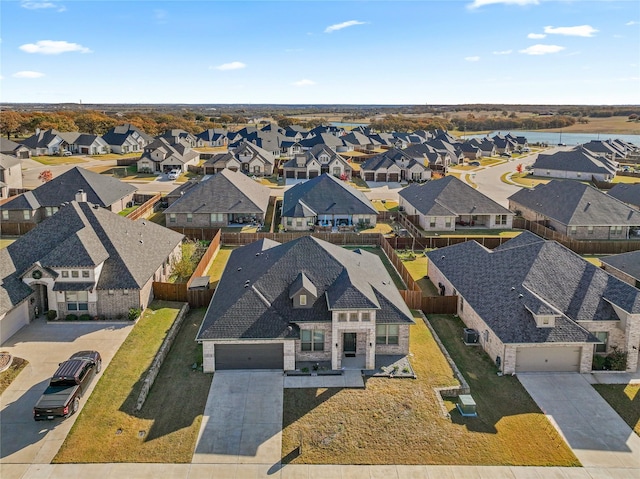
(370, 345)
(336, 348)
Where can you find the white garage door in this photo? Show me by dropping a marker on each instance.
(13, 321)
(557, 358)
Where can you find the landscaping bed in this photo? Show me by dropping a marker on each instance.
(625, 400)
(8, 375)
(166, 429)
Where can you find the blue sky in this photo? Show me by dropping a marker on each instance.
(322, 52)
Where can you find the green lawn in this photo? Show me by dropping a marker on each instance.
(126, 211)
(165, 431)
(7, 376)
(116, 156)
(524, 179)
(386, 205)
(418, 268)
(218, 265)
(398, 421)
(625, 399)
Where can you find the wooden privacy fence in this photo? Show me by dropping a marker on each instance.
(146, 209)
(353, 239)
(399, 266)
(127, 161)
(15, 229)
(204, 234)
(197, 298)
(207, 258)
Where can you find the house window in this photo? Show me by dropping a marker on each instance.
(387, 334)
(189, 217)
(311, 340)
(353, 317)
(579, 175)
(602, 336)
(590, 230)
(501, 219)
(85, 274)
(298, 222)
(303, 300)
(77, 300)
(75, 274)
(548, 173)
(447, 222)
(125, 291)
(111, 291)
(5, 214)
(217, 217)
(47, 211)
(342, 317)
(65, 274)
(256, 169)
(432, 222)
(573, 230)
(336, 171)
(26, 214)
(366, 316)
(172, 217)
(615, 230)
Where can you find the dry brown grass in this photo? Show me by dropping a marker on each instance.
(398, 421)
(7, 376)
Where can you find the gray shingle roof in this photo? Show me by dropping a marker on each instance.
(529, 272)
(328, 195)
(100, 189)
(252, 299)
(577, 160)
(628, 263)
(627, 193)
(450, 196)
(82, 235)
(575, 204)
(225, 192)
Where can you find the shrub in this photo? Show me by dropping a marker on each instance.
(71, 317)
(119, 316)
(134, 313)
(52, 314)
(85, 317)
(616, 360)
(598, 363)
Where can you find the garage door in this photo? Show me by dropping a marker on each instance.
(557, 358)
(13, 321)
(249, 356)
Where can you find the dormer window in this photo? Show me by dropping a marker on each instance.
(303, 299)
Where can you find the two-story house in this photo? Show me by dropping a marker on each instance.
(314, 162)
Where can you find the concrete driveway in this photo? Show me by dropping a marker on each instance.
(242, 421)
(593, 430)
(23, 440)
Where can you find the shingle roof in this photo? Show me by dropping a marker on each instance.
(100, 189)
(578, 159)
(82, 235)
(627, 193)
(533, 273)
(225, 192)
(328, 195)
(263, 308)
(575, 204)
(628, 263)
(448, 196)
(119, 134)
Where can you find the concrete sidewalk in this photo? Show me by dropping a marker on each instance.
(591, 428)
(350, 378)
(255, 471)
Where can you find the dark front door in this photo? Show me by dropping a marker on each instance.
(349, 340)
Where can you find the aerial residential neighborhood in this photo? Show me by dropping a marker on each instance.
(255, 259)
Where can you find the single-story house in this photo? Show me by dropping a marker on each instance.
(444, 204)
(624, 266)
(245, 157)
(277, 305)
(8, 147)
(10, 174)
(395, 165)
(537, 306)
(126, 139)
(46, 142)
(575, 164)
(83, 260)
(628, 193)
(162, 156)
(314, 162)
(576, 210)
(328, 203)
(226, 198)
(36, 205)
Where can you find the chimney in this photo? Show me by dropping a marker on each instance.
(81, 196)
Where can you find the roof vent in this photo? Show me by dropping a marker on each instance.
(520, 295)
(141, 241)
(442, 257)
(239, 269)
(246, 285)
(513, 288)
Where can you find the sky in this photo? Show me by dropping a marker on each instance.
(321, 52)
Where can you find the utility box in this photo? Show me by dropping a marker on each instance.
(466, 405)
(470, 336)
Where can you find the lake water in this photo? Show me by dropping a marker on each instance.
(566, 138)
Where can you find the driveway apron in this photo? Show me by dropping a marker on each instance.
(242, 421)
(593, 430)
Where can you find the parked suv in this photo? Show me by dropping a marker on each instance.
(173, 174)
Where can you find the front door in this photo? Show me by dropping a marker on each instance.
(349, 340)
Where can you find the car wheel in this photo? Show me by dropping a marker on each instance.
(98, 366)
(76, 406)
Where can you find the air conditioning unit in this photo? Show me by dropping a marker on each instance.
(471, 336)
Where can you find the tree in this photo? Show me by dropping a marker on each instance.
(10, 122)
(519, 168)
(45, 176)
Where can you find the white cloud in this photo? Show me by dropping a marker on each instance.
(536, 36)
(28, 74)
(29, 5)
(503, 52)
(540, 49)
(303, 82)
(230, 66)
(472, 59)
(340, 26)
(577, 31)
(482, 3)
(52, 47)
(632, 22)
